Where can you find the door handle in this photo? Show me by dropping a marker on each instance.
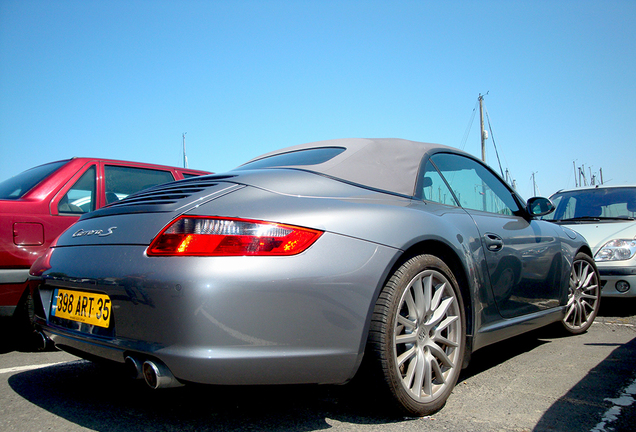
(493, 242)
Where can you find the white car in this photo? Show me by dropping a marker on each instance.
(606, 217)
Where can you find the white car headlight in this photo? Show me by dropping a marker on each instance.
(616, 250)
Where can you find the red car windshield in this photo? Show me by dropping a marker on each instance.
(15, 187)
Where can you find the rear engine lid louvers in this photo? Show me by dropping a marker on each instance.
(138, 218)
(168, 197)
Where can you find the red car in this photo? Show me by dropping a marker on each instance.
(40, 203)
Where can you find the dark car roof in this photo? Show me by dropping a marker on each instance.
(389, 164)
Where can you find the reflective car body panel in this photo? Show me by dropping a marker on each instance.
(229, 319)
(300, 318)
(525, 261)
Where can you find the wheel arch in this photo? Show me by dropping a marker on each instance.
(446, 253)
(586, 249)
(378, 364)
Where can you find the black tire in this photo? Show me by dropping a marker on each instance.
(24, 331)
(24, 315)
(584, 296)
(417, 336)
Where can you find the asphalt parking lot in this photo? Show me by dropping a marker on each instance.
(535, 382)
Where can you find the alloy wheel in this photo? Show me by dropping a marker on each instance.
(583, 297)
(427, 335)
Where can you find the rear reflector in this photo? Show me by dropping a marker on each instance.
(202, 236)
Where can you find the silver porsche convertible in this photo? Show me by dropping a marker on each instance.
(387, 257)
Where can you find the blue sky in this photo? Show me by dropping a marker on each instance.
(124, 80)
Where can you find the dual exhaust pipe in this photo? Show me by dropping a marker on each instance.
(41, 342)
(156, 374)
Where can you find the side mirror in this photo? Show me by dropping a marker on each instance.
(539, 206)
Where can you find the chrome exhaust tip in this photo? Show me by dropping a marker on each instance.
(157, 375)
(42, 341)
(134, 367)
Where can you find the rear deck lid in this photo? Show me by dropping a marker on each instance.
(137, 219)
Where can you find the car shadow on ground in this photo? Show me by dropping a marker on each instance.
(14, 338)
(493, 355)
(617, 307)
(581, 404)
(102, 398)
(99, 398)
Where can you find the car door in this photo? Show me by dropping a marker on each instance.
(81, 196)
(522, 255)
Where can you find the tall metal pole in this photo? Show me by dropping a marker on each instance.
(576, 184)
(483, 148)
(483, 131)
(185, 158)
(582, 174)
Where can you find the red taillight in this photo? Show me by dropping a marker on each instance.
(201, 236)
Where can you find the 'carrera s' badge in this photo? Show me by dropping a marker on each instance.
(99, 233)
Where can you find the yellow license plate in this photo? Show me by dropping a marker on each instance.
(80, 306)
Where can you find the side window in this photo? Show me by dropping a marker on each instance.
(434, 187)
(474, 185)
(81, 197)
(122, 181)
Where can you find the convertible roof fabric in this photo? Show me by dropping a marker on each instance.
(389, 164)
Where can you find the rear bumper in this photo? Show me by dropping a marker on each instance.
(13, 284)
(234, 320)
(7, 311)
(13, 276)
(222, 366)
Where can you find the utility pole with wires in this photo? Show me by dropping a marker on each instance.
(185, 158)
(484, 137)
(484, 133)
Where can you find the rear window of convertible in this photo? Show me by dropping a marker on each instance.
(312, 156)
